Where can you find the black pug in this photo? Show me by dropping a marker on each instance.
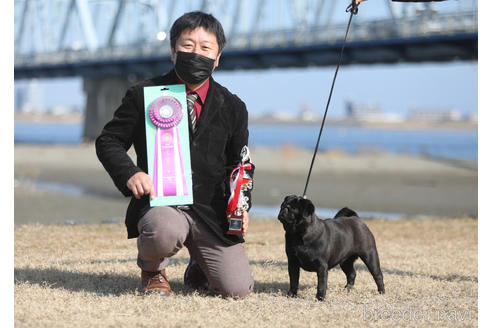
(318, 245)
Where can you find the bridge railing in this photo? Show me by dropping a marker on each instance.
(438, 24)
(443, 24)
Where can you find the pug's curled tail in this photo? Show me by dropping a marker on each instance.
(346, 212)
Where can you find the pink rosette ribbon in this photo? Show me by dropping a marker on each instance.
(168, 176)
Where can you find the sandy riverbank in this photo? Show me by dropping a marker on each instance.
(57, 184)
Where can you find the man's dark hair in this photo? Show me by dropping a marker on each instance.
(195, 19)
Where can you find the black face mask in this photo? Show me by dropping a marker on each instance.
(193, 68)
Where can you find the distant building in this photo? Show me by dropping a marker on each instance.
(277, 117)
(307, 115)
(369, 113)
(451, 115)
(472, 117)
(30, 97)
(60, 110)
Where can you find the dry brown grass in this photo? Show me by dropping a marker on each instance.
(86, 276)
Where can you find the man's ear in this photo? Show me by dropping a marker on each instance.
(307, 207)
(173, 55)
(216, 64)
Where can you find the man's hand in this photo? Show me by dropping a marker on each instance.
(358, 1)
(140, 184)
(245, 221)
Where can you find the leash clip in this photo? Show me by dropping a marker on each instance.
(353, 8)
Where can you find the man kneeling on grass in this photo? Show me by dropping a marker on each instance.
(218, 261)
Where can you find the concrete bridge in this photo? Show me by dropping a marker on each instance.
(113, 43)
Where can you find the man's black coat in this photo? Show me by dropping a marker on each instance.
(222, 131)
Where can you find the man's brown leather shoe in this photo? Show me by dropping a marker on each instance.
(155, 282)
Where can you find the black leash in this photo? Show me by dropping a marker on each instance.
(353, 9)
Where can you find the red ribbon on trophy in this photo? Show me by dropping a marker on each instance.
(241, 183)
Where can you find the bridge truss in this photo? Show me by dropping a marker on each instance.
(121, 37)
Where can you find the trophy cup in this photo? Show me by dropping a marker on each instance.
(241, 184)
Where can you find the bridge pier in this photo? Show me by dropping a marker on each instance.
(103, 96)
